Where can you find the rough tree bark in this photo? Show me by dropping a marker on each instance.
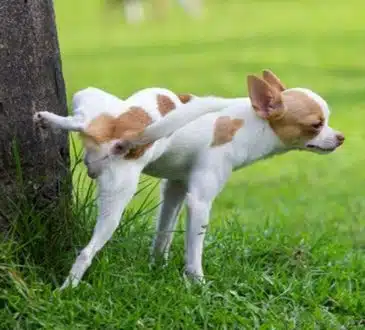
(30, 80)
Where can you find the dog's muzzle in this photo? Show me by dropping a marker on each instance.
(94, 167)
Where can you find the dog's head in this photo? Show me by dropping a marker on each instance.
(97, 156)
(107, 138)
(298, 116)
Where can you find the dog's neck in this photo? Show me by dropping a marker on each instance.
(256, 140)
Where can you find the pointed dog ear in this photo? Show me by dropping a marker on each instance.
(273, 80)
(265, 99)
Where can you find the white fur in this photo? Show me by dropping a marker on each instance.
(192, 170)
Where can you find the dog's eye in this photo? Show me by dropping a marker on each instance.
(317, 125)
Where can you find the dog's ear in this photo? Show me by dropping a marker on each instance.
(265, 99)
(273, 80)
(89, 141)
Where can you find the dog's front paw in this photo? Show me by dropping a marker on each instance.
(40, 119)
(71, 281)
(194, 276)
(158, 262)
(66, 284)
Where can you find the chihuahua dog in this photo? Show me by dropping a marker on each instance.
(193, 143)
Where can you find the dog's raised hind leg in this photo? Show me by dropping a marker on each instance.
(70, 123)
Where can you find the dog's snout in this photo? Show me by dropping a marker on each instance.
(93, 174)
(86, 159)
(340, 138)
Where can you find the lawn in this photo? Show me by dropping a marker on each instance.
(286, 245)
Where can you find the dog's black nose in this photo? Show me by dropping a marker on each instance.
(86, 160)
(340, 138)
(92, 173)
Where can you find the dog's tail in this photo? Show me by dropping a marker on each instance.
(181, 116)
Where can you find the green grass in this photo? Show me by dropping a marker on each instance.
(286, 245)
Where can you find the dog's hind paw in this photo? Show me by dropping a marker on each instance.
(39, 118)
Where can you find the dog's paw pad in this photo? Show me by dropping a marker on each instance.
(37, 116)
(40, 120)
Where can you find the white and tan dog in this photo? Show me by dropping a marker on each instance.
(194, 148)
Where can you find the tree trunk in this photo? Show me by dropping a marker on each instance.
(30, 80)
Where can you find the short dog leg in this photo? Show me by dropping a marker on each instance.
(204, 185)
(111, 206)
(70, 123)
(173, 194)
(197, 223)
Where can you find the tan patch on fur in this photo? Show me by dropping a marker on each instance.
(165, 104)
(184, 98)
(100, 129)
(128, 125)
(294, 123)
(137, 152)
(225, 129)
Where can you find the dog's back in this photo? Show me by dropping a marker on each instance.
(92, 102)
